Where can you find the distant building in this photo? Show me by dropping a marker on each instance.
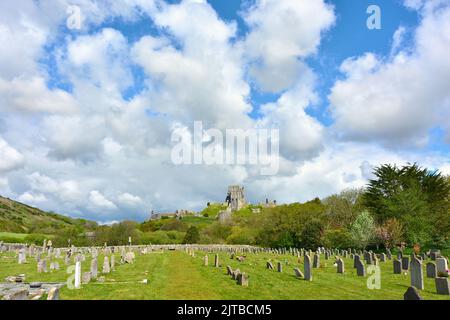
(177, 214)
(235, 198)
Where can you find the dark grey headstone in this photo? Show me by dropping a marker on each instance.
(442, 286)
(431, 270)
(412, 294)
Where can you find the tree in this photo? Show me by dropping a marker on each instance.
(391, 233)
(417, 197)
(192, 235)
(343, 208)
(311, 236)
(362, 230)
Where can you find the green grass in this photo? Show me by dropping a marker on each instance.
(12, 235)
(176, 275)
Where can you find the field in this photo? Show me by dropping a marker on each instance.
(178, 276)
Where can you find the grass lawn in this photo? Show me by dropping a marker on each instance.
(178, 276)
(18, 236)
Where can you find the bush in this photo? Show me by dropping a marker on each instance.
(192, 235)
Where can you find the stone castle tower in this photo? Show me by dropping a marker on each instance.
(236, 198)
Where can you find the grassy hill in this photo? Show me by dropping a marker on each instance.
(17, 217)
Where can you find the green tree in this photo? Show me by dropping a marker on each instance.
(417, 197)
(192, 235)
(311, 236)
(362, 230)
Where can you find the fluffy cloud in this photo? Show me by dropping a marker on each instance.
(20, 95)
(282, 34)
(392, 100)
(10, 158)
(99, 201)
(129, 199)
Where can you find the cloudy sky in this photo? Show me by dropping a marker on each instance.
(86, 115)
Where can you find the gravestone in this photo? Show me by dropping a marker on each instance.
(86, 277)
(242, 280)
(442, 286)
(397, 266)
(269, 265)
(340, 265)
(216, 260)
(316, 262)
(382, 257)
(94, 268)
(441, 266)
(106, 266)
(405, 263)
(22, 256)
(431, 270)
(412, 294)
(229, 271)
(113, 262)
(307, 268)
(298, 273)
(360, 269)
(53, 293)
(417, 274)
(356, 259)
(279, 267)
(205, 261)
(129, 257)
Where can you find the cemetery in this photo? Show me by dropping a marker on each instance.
(180, 272)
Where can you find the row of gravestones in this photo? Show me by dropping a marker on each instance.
(24, 294)
(440, 268)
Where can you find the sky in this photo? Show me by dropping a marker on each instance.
(92, 91)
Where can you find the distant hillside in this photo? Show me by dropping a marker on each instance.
(21, 218)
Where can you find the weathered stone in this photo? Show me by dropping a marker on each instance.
(431, 270)
(360, 269)
(94, 268)
(307, 268)
(442, 286)
(441, 266)
(279, 267)
(298, 273)
(397, 266)
(269, 265)
(412, 294)
(106, 266)
(242, 280)
(86, 277)
(316, 261)
(205, 261)
(19, 294)
(417, 274)
(53, 294)
(405, 263)
(340, 265)
(216, 261)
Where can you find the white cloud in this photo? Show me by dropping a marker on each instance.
(129, 199)
(32, 95)
(100, 201)
(392, 100)
(282, 33)
(10, 158)
(32, 198)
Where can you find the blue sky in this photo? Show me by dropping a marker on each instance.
(87, 114)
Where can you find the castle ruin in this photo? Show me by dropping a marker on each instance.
(236, 198)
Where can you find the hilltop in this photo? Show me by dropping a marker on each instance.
(21, 218)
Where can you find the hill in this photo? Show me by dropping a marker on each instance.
(20, 218)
